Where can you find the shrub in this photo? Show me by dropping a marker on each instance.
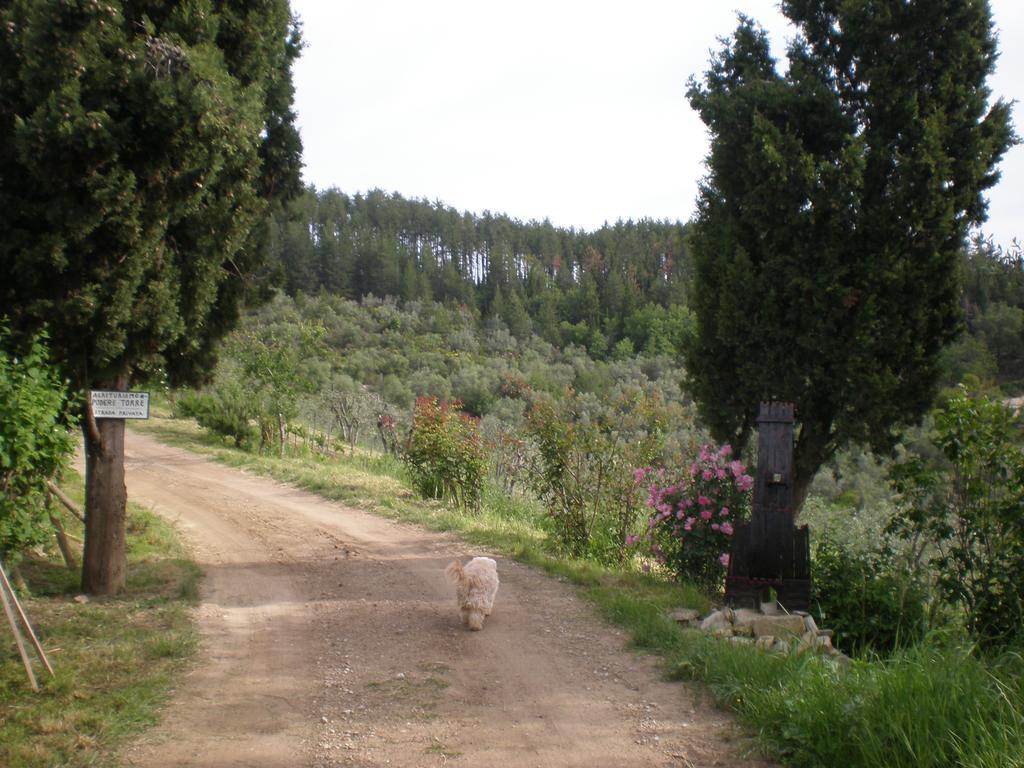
(445, 455)
(34, 441)
(225, 411)
(870, 601)
(694, 510)
(585, 448)
(967, 505)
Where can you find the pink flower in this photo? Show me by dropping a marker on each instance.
(727, 528)
(737, 468)
(720, 473)
(707, 474)
(724, 560)
(639, 474)
(745, 483)
(724, 512)
(725, 450)
(632, 539)
(715, 526)
(705, 514)
(704, 501)
(645, 567)
(694, 469)
(688, 525)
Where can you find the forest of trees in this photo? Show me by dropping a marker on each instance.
(619, 291)
(567, 286)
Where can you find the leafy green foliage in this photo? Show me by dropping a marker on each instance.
(34, 441)
(837, 203)
(870, 599)
(269, 373)
(583, 468)
(967, 504)
(225, 410)
(445, 455)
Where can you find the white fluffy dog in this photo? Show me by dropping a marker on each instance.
(476, 584)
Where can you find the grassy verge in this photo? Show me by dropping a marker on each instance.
(115, 660)
(935, 705)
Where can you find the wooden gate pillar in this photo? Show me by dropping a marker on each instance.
(769, 552)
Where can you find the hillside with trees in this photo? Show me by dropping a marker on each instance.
(594, 290)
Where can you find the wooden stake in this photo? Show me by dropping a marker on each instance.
(62, 536)
(5, 584)
(17, 636)
(68, 503)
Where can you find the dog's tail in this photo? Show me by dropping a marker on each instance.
(454, 572)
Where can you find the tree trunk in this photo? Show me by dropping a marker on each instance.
(104, 557)
(810, 452)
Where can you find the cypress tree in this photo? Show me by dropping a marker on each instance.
(836, 206)
(141, 146)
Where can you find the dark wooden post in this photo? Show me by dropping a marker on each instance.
(770, 553)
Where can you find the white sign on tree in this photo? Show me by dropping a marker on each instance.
(108, 404)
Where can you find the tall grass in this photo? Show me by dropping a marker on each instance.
(930, 706)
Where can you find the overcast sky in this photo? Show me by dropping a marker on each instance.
(571, 110)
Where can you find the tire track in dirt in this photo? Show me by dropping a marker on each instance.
(330, 638)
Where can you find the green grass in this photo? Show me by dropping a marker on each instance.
(115, 659)
(930, 706)
(939, 704)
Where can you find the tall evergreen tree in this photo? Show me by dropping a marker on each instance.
(141, 145)
(836, 206)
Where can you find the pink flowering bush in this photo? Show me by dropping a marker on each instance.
(693, 514)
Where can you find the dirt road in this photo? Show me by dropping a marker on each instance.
(330, 638)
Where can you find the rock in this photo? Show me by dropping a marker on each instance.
(809, 623)
(743, 618)
(741, 640)
(744, 630)
(779, 626)
(808, 641)
(684, 615)
(765, 643)
(714, 622)
(81, 599)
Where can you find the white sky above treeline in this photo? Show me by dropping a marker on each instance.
(570, 110)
